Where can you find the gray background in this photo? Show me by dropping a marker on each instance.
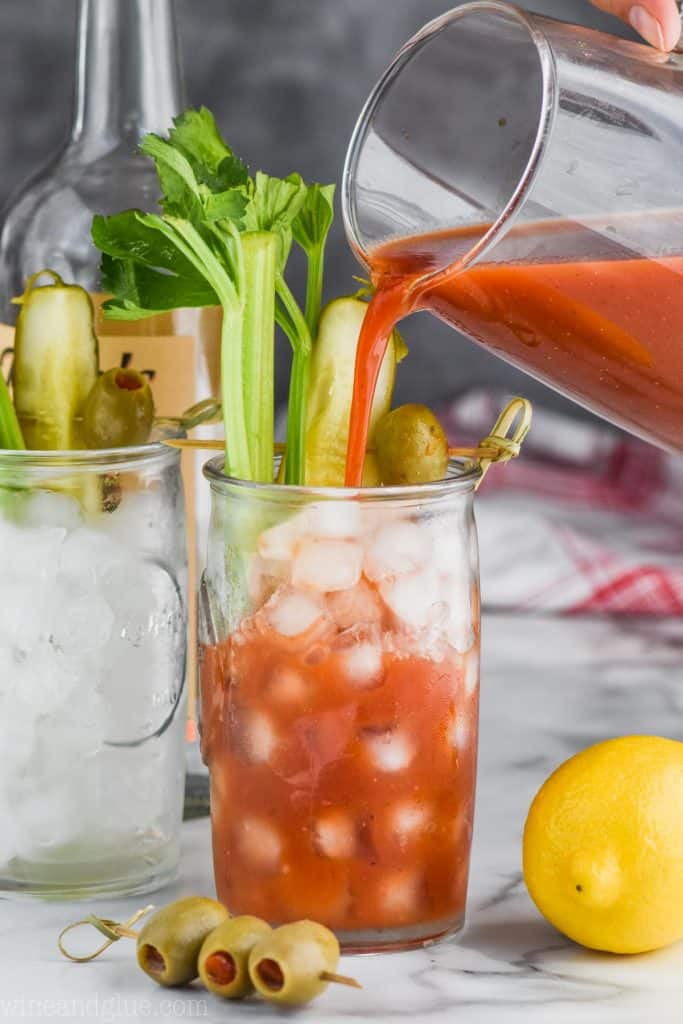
(286, 79)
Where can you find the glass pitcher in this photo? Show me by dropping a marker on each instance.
(521, 178)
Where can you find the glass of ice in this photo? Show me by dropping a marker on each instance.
(339, 703)
(92, 670)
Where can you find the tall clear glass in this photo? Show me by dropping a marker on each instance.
(525, 174)
(339, 704)
(128, 81)
(92, 670)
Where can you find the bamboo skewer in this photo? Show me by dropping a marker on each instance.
(499, 446)
(113, 931)
(339, 979)
(215, 445)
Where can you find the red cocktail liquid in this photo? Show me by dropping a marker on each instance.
(577, 311)
(348, 802)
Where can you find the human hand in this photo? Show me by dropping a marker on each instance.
(657, 21)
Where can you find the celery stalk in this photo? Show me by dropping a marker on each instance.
(195, 248)
(237, 461)
(296, 328)
(314, 288)
(224, 237)
(259, 249)
(10, 431)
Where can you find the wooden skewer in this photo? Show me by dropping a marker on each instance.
(112, 931)
(201, 444)
(340, 979)
(503, 443)
(209, 444)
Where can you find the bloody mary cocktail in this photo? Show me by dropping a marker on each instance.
(339, 705)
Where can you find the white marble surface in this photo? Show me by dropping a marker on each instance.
(550, 687)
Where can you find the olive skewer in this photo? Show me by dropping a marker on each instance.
(233, 956)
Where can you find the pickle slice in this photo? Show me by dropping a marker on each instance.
(55, 362)
(331, 389)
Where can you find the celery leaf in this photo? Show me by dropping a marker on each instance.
(314, 220)
(181, 190)
(195, 134)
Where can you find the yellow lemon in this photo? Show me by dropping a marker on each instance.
(603, 845)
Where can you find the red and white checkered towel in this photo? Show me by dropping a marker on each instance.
(584, 521)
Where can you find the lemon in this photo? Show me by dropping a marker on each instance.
(603, 845)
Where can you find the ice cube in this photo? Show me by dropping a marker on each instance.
(460, 633)
(259, 844)
(146, 522)
(286, 685)
(359, 605)
(17, 739)
(48, 815)
(326, 565)
(451, 540)
(390, 750)
(337, 519)
(471, 673)
(457, 593)
(334, 834)
(24, 612)
(412, 597)
(362, 659)
(51, 509)
(80, 620)
(292, 613)
(87, 554)
(264, 576)
(399, 894)
(396, 548)
(74, 731)
(257, 736)
(460, 731)
(407, 818)
(41, 681)
(29, 554)
(277, 543)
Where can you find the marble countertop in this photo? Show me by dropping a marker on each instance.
(550, 687)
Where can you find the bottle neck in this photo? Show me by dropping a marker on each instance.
(128, 78)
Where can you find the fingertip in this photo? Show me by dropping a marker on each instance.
(657, 21)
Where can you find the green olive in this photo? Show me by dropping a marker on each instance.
(411, 446)
(288, 966)
(224, 957)
(169, 944)
(118, 410)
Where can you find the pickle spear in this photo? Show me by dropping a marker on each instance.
(55, 362)
(331, 388)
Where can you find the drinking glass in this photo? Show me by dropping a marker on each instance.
(92, 670)
(502, 139)
(339, 703)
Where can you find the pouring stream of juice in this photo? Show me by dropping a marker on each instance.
(581, 313)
